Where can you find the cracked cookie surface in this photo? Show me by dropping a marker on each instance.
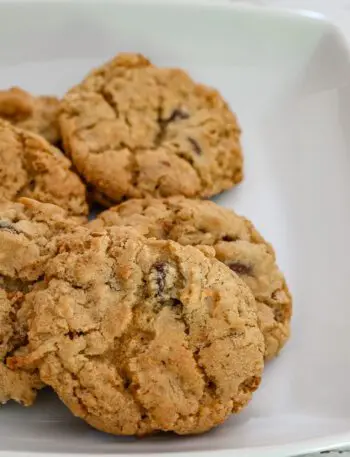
(138, 336)
(133, 130)
(27, 243)
(36, 114)
(31, 167)
(235, 240)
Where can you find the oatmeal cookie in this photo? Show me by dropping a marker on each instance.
(138, 336)
(235, 240)
(27, 242)
(31, 167)
(133, 130)
(37, 114)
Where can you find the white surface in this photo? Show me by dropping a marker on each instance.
(287, 78)
(337, 11)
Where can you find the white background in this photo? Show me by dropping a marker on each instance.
(339, 12)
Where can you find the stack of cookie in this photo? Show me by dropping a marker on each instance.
(159, 314)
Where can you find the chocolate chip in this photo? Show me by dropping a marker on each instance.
(197, 149)
(160, 268)
(4, 225)
(240, 268)
(177, 114)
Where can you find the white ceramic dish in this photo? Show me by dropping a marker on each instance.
(287, 76)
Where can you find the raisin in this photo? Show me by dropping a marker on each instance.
(175, 115)
(195, 146)
(240, 268)
(250, 384)
(160, 268)
(126, 383)
(211, 385)
(230, 238)
(72, 334)
(174, 302)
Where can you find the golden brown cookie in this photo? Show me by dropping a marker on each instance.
(28, 233)
(133, 130)
(18, 385)
(31, 167)
(138, 336)
(37, 114)
(235, 240)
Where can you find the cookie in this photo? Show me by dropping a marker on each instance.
(138, 336)
(31, 167)
(17, 385)
(37, 114)
(235, 240)
(28, 231)
(135, 130)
